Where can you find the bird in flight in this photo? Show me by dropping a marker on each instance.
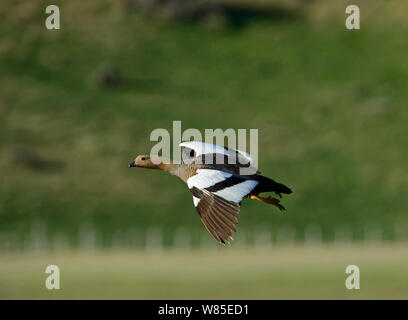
(219, 178)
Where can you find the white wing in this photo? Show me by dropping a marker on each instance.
(217, 195)
(237, 192)
(223, 184)
(206, 178)
(201, 148)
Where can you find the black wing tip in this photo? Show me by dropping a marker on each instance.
(225, 242)
(284, 189)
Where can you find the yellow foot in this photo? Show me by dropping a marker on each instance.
(269, 200)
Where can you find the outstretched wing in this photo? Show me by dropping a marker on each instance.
(204, 148)
(205, 153)
(217, 196)
(218, 215)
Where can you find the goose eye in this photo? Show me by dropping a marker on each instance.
(143, 159)
(192, 153)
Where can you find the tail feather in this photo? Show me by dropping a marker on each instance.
(268, 185)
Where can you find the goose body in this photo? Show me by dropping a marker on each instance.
(216, 183)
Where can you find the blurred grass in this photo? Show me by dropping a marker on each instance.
(330, 105)
(234, 273)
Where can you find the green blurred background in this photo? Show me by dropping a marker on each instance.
(77, 104)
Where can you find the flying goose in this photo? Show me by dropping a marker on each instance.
(215, 178)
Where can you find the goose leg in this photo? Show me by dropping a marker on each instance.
(268, 200)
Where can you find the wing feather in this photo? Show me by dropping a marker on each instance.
(233, 160)
(209, 210)
(217, 196)
(201, 148)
